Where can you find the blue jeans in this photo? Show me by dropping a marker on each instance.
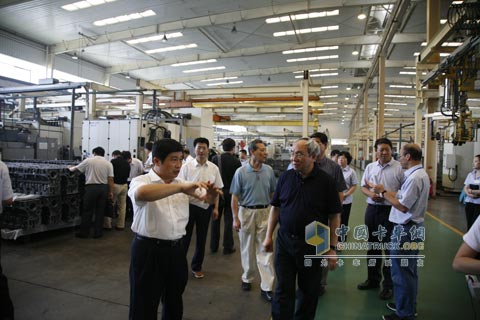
(405, 278)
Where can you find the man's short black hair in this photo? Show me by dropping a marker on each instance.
(116, 153)
(252, 146)
(228, 144)
(320, 135)
(334, 152)
(162, 148)
(347, 155)
(383, 141)
(201, 140)
(99, 151)
(149, 146)
(243, 151)
(127, 155)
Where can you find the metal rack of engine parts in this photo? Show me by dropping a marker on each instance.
(47, 197)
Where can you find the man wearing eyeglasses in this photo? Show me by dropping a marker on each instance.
(252, 188)
(303, 195)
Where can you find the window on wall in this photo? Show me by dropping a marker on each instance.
(25, 71)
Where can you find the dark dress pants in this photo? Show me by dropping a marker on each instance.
(376, 216)
(201, 218)
(158, 272)
(226, 212)
(289, 267)
(6, 305)
(472, 210)
(94, 203)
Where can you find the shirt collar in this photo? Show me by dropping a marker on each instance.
(387, 164)
(250, 168)
(197, 164)
(154, 177)
(412, 169)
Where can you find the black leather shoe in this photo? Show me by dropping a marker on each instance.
(267, 295)
(386, 294)
(367, 285)
(246, 286)
(229, 251)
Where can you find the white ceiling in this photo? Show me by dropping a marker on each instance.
(252, 53)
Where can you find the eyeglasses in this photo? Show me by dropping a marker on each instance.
(297, 155)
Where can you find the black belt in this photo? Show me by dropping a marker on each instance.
(258, 206)
(165, 243)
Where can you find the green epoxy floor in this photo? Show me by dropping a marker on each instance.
(57, 276)
(443, 293)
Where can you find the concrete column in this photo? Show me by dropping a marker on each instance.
(381, 96)
(305, 86)
(139, 104)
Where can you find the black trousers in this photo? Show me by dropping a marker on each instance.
(345, 216)
(226, 212)
(289, 268)
(94, 203)
(472, 210)
(376, 216)
(158, 272)
(6, 305)
(201, 218)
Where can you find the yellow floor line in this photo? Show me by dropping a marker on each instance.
(460, 233)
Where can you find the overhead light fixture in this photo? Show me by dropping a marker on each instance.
(203, 69)
(329, 87)
(317, 70)
(157, 37)
(334, 56)
(307, 30)
(164, 39)
(127, 76)
(361, 15)
(218, 79)
(404, 86)
(234, 28)
(319, 75)
(75, 57)
(303, 16)
(174, 48)
(224, 83)
(310, 49)
(84, 4)
(355, 52)
(124, 18)
(189, 63)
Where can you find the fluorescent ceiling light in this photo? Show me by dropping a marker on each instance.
(416, 54)
(328, 96)
(329, 87)
(303, 16)
(327, 103)
(334, 56)
(123, 18)
(156, 38)
(411, 73)
(399, 96)
(326, 114)
(444, 54)
(401, 86)
(224, 83)
(319, 75)
(84, 4)
(303, 31)
(395, 104)
(189, 63)
(174, 48)
(443, 21)
(218, 79)
(314, 49)
(446, 44)
(317, 70)
(414, 68)
(204, 69)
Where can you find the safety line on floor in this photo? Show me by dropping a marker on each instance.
(66, 291)
(460, 233)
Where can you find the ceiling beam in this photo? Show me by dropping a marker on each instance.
(279, 70)
(211, 20)
(245, 52)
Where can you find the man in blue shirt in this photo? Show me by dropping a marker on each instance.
(407, 214)
(302, 195)
(252, 188)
